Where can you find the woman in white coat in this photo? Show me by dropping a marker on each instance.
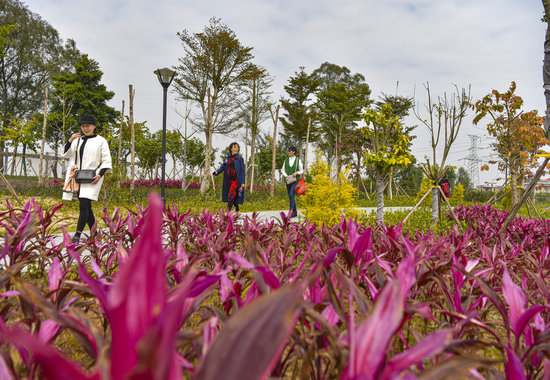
(86, 150)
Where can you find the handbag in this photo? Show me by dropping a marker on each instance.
(301, 187)
(84, 176)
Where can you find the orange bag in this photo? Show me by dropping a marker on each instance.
(301, 187)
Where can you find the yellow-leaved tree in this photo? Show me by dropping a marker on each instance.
(390, 148)
(325, 201)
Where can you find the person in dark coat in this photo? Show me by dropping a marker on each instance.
(234, 177)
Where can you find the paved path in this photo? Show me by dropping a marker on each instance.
(269, 215)
(265, 215)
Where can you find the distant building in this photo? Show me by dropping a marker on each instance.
(489, 187)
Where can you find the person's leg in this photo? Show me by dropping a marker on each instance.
(85, 206)
(236, 206)
(289, 198)
(293, 199)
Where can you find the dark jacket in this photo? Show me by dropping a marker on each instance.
(241, 177)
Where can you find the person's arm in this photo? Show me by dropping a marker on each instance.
(68, 149)
(221, 169)
(106, 161)
(242, 180)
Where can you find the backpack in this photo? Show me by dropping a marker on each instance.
(445, 188)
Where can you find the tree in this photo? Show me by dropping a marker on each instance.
(149, 151)
(444, 121)
(30, 53)
(463, 178)
(75, 93)
(82, 90)
(25, 133)
(215, 63)
(140, 131)
(400, 106)
(264, 156)
(519, 135)
(390, 148)
(297, 109)
(255, 110)
(341, 99)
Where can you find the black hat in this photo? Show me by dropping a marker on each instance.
(87, 119)
(292, 148)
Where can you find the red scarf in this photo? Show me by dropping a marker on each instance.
(232, 180)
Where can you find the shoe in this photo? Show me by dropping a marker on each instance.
(75, 239)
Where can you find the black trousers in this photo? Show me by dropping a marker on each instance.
(86, 215)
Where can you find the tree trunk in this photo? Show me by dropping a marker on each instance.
(435, 206)
(337, 149)
(40, 179)
(274, 151)
(119, 155)
(379, 196)
(24, 161)
(390, 183)
(207, 161)
(14, 161)
(252, 158)
(546, 65)
(307, 144)
(208, 131)
(132, 138)
(184, 175)
(514, 182)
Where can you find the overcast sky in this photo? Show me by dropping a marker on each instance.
(482, 43)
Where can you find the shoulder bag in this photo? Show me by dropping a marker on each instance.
(83, 175)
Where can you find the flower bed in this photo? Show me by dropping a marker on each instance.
(170, 295)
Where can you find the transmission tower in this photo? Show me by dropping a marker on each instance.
(473, 160)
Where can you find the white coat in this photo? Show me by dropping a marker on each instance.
(96, 156)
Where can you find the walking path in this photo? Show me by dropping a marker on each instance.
(269, 215)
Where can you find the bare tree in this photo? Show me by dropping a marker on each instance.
(443, 122)
(132, 138)
(215, 63)
(275, 118)
(40, 179)
(255, 110)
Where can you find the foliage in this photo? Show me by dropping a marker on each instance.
(463, 178)
(264, 156)
(457, 195)
(168, 295)
(519, 134)
(341, 99)
(418, 222)
(31, 51)
(325, 202)
(298, 108)
(391, 147)
(214, 65)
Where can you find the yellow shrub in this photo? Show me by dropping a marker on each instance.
(457, 196)
(325, 201)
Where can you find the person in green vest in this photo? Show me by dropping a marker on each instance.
(292, 170)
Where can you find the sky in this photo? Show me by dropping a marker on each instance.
(398, 45)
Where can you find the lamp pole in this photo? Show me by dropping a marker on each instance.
(165, 77)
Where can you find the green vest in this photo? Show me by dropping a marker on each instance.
(293, 168)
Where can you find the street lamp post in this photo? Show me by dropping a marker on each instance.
(165, 77)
